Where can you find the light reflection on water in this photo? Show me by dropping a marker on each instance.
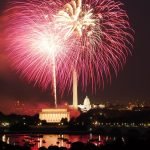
(38, 140)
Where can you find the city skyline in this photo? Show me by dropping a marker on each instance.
(131, 83)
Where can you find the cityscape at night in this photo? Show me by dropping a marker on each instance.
(74, 74)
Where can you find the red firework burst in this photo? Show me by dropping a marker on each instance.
(92, 37)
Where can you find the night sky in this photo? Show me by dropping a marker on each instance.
(131, 84)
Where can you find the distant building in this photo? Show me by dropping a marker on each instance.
(86, 105)
(54, 115)
(101, 106)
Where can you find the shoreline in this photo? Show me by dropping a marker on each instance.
(52, 130)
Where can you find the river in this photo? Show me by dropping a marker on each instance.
(64, 140)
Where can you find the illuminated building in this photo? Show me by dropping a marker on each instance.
(75, 90)
(54, 115)
(101, 106)
(86, 105)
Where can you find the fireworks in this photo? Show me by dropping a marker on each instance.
(101, 35)
(72, 18)
(49, 39)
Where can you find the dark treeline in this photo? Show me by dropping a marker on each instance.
(94, 119)
(102, 115)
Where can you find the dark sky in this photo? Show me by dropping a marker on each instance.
(132, 83)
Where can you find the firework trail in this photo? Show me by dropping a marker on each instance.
(35, 48)
(49, 39)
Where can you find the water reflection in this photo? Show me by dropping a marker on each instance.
(4, 138)
(62, 140)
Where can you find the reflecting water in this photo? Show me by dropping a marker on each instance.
(38, 140)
